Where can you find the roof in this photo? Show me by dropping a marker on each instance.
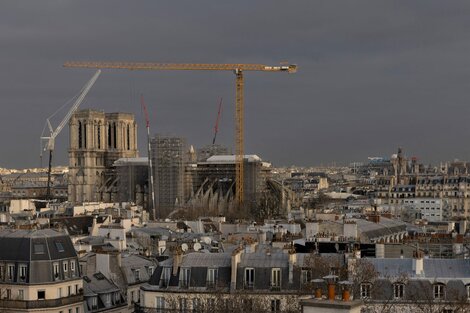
(132, 262)
(132, 161)
(97, 284)
(35, 245)
(197, 259)
(259, 260)
(432, 268)
(231, 158)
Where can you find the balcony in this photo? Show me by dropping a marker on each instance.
(40, 304)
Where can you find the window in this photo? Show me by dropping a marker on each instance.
(184, 277)
(365, 290)
(59, 246)
(160, 304)
(72, 266)
(41, 294)
(197, 304)
(59, 292)
(468, 291)
(66, 266)
(211, 304)
(107, 299)
(183, 304)
(9, 294)
(275, 305)
(211, 277)
(11, 271)
(398, 290)
(21, 294)
(137, 275)
(23, 269)
(150, 270)
(56, 271)
(94, 302)
(165, 277)
(305, 277)
(276, 278)
(76, 289)
(2, 271)
(439, 291)
(117, 297)
(69, 290)
(132, 296)
(249, 277)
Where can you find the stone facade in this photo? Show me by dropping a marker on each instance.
(97, 140)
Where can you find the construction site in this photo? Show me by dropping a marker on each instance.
(175, 178)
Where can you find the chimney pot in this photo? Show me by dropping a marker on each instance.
(331, 291)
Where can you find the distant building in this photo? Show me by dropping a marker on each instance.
(132, 183)
(97, 140)
(168, 156)
(207, 151)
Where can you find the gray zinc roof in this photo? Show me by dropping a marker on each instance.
(260, 260)
(197, 259)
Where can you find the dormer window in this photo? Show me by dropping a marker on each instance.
(59, 246)
(276, 278)
(56, 271)
(66, 266)
(365, 290)
(39, 248)
(11, 271)
(150, 270)
(211, 277)
(137, 275)
(184, 277)
(398, 291)
(165, 277)
(249, 277)
(439, 291)
(22, 272)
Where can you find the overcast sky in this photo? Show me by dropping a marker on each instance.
(373, 75)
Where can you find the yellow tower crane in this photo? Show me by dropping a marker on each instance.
(237, 69)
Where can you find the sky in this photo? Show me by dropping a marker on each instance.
(372, 75)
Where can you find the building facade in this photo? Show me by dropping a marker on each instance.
(97, 140)
(39, 272)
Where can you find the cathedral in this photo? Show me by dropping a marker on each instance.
(97, 140)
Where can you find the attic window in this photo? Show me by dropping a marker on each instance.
(39, 248)
(99, 276)
(59, 246)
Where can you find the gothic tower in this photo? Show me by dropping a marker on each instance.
(97, 140)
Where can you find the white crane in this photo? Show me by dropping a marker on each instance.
(50, 140)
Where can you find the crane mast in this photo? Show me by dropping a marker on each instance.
(149, 150)
(237, 68)
(50, 140)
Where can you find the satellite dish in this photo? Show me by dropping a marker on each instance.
(197, 246)
(184, 247)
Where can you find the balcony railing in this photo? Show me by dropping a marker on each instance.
(40, 304)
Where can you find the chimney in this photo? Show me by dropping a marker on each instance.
(331, 280)
(331, 291)
(318, 288)
(418, 263)
(236, 256)
(346, 294)
(292, 263)
(177, 259)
